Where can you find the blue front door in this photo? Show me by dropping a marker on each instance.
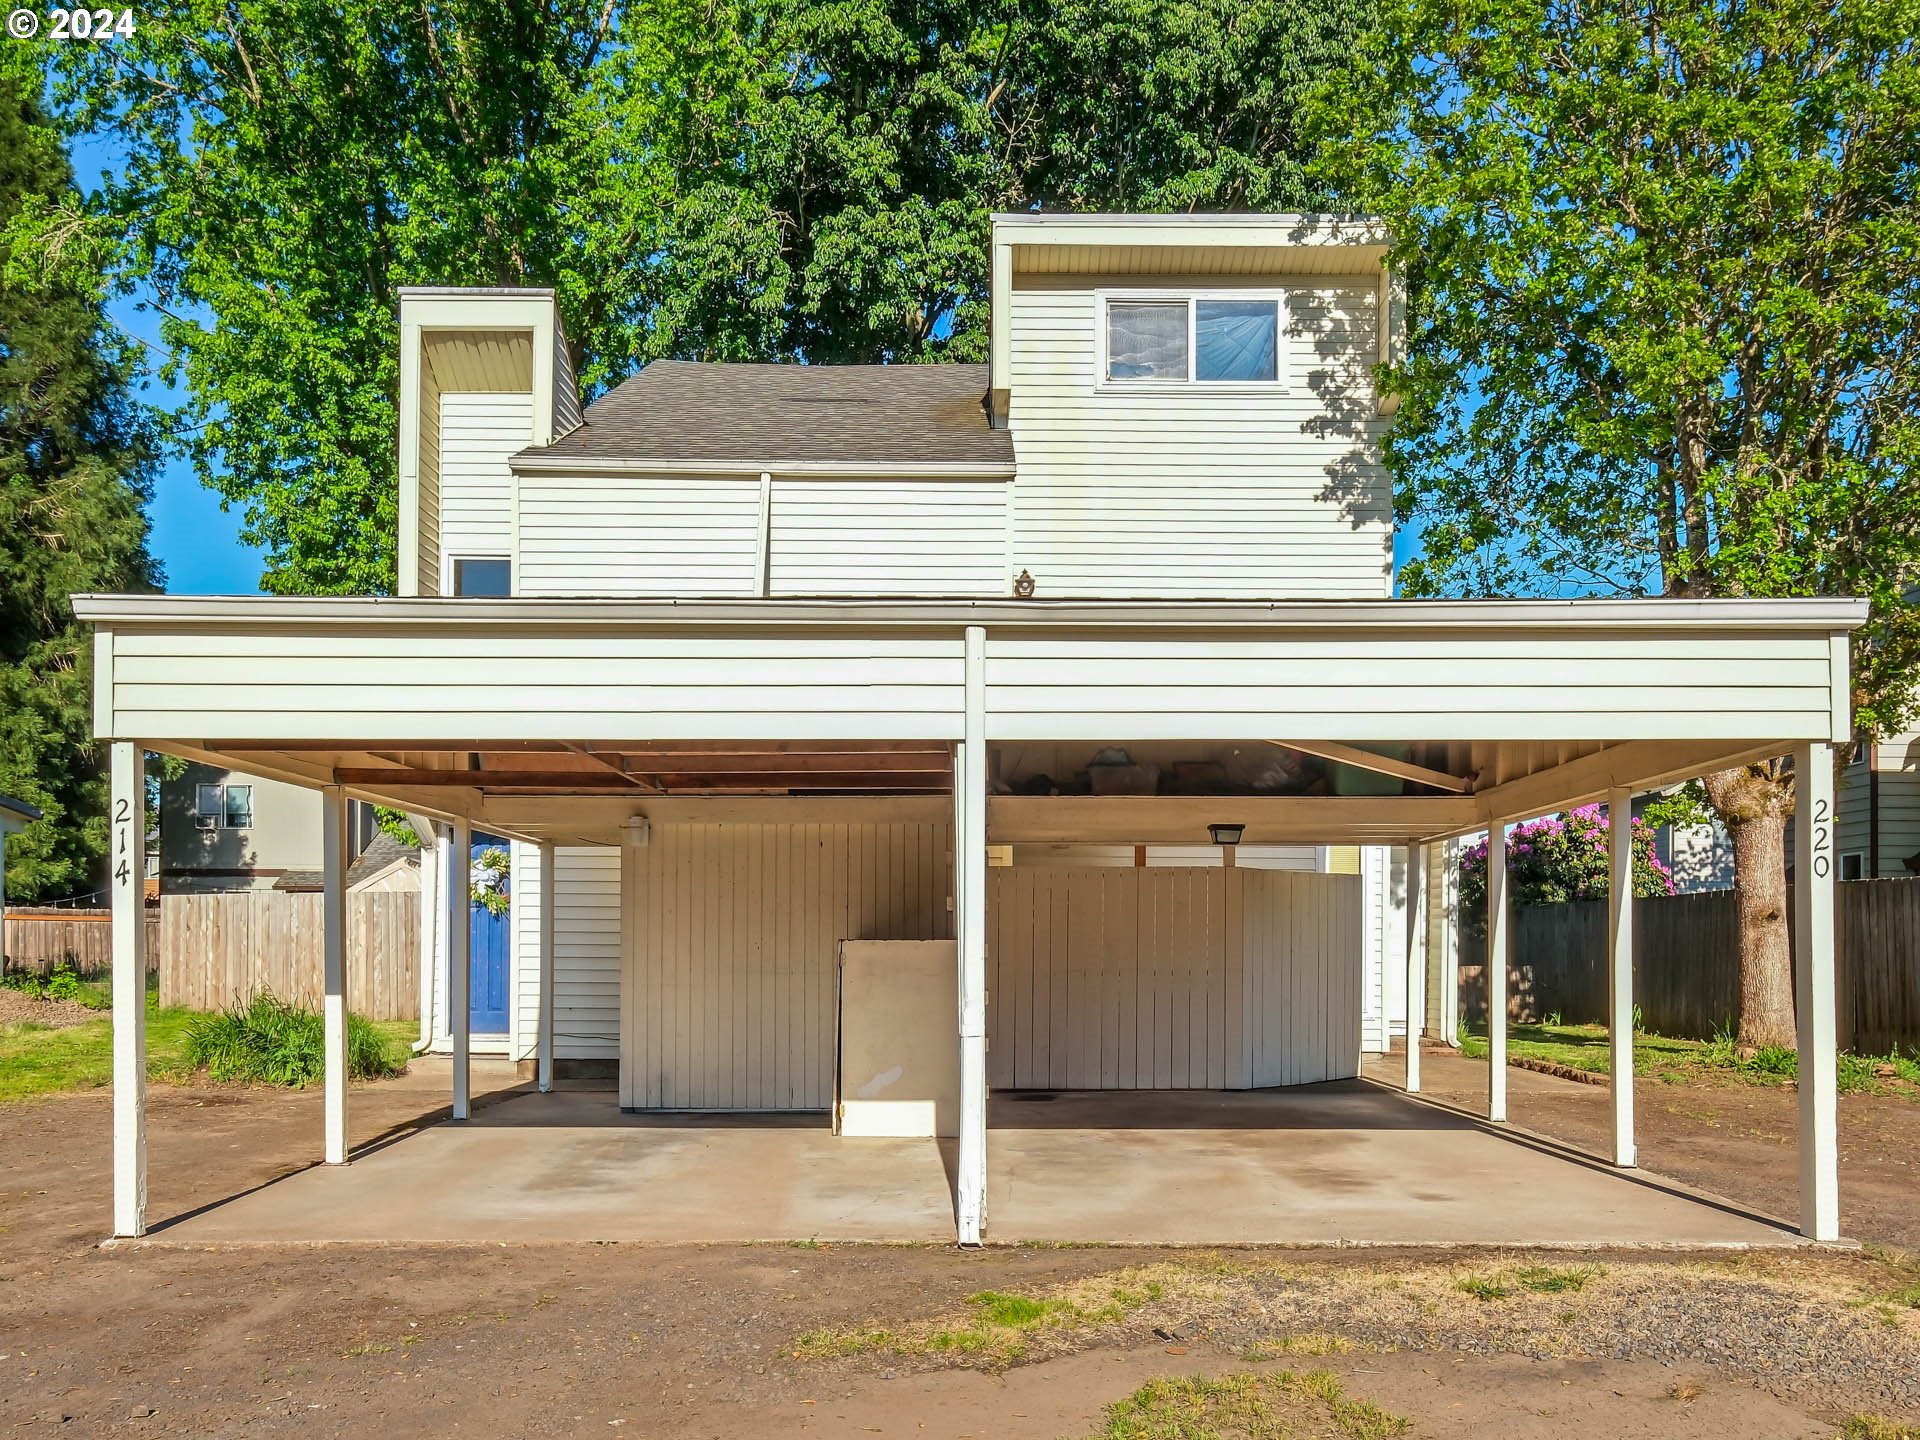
(487, 960)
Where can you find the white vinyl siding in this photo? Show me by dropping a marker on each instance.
(1899, 805)
(528, 684)
(586, 952)
(633, 536)
(888, 537)
(1194, 490)
(478, 432)
(1394, 686)
(732, 944)
(1171, 978)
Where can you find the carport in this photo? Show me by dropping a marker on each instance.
(536, 719)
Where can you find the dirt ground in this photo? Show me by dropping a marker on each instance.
(699, 1341)
(1739, 1141)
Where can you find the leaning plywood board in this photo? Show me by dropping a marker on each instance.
(899, 1060)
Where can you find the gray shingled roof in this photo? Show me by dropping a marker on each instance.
(683, 410)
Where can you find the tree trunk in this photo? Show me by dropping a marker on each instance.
(1753, 802)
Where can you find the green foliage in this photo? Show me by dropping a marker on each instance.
(1553, 861)
(267, 1041)
(1664, 269)
(394, 823)
(76, 464)
(710, 179)
(492, 876)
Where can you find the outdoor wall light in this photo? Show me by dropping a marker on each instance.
(1226, 834)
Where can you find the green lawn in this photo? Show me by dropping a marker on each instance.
(38, 1060)
(1679, 1062)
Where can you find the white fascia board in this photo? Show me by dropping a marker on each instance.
(1051, 228)
(476, 310)
(1832, 615)
(533, 462)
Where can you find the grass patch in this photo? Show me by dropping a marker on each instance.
(1876, 1427)
(1585, 1047)
(269, 1041)
(1270, 1405)
(1314, 1342)
(999, 1327)
(40, 1060)
(1534, 1279)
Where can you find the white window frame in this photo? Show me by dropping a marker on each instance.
(449, 564)
(216, 817)
(1856, 855)
(1105, 299)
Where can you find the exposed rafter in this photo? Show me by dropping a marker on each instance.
(1380, 764)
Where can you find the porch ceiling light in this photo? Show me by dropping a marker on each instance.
(1226, 834)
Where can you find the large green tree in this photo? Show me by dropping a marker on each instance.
(1665, 270)
(720, 179)
(75, 469)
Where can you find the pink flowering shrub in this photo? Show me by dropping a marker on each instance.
(1550, 862)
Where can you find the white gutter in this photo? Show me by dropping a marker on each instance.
(437, 612)
(539, 462)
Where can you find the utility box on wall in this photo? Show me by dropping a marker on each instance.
(898, 1064)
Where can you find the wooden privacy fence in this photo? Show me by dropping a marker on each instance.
(1686, 964)
(215, 949)
(43, 940)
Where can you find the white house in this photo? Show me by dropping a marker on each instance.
(758, 664)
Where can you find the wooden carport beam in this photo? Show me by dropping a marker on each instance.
(1379, 764)
(587, 752)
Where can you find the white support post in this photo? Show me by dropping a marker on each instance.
(970, 930)
(1497, 973)
(333, 965)
(1416, 961)
(129, 891)
(1620, 973)
(1813, 988)
(460, 965)
(545, 1062)
(433, 914)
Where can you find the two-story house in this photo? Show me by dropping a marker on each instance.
(877, 739)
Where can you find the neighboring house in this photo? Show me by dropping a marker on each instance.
(753, 661)
(225, 830)
(383, 865)
(1700, 856)
(1879, 809)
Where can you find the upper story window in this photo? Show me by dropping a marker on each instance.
(1193, 339)
(218, 806)
(482, 575)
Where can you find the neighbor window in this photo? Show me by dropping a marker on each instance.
(1854, 866)
(215, 806)
(482, 575)
(1216, 340)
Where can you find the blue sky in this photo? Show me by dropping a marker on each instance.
(192, 536)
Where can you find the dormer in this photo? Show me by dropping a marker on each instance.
(1193, 405)
(483, 375)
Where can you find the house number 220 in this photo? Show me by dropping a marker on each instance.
(1822, 839)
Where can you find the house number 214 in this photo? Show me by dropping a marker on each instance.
(1822, 839)
(122, 841)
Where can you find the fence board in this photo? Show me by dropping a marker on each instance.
(214, 949)
(43, 940)
(1687, 964)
